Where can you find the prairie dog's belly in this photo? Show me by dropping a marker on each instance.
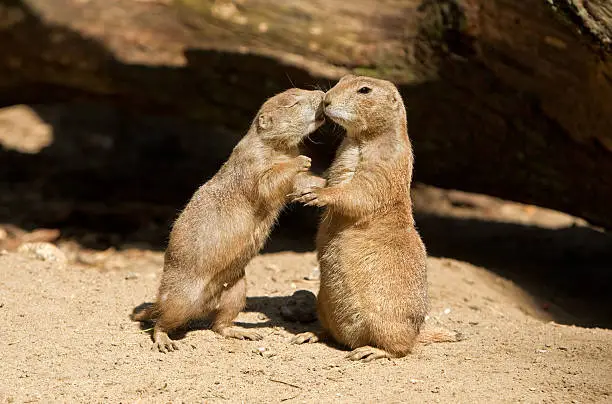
(370, 270)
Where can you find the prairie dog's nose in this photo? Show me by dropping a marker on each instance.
(327, 100)
(320, 96)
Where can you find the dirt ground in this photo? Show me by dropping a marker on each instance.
(66, 336)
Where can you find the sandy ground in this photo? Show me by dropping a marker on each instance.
(66, 336)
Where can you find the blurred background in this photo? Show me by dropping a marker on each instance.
(114, 111)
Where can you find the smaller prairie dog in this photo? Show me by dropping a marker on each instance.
(373, 293)
(229, 218)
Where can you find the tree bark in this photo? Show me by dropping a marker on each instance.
(507, 98)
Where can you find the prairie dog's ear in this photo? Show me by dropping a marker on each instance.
(347, 76)
(393, 99)
(264, 121)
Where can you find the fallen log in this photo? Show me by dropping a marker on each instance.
(511, 99)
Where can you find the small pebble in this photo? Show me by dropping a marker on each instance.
(447, 310)
(43, 251)
(131, 275)
(266, 353)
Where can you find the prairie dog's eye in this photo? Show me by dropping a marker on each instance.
(364, 90)
(292, 103)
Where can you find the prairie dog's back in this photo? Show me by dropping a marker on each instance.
(222, 214)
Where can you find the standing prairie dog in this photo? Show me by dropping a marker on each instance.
(229, 218)
(373, 292)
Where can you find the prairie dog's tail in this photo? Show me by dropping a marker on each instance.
(146, 312)
(431, 334)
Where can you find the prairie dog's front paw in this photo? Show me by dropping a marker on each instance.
(302, 163)
(311, 197)
(303, 181)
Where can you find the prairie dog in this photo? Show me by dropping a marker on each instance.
(373, 293)
(229, 218)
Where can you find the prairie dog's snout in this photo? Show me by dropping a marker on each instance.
(315, 112)
(291, 116)
(338, 106)
(318, 97)
(315, 99)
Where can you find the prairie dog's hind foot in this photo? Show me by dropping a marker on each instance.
(368, 353)
(238, 333)
(307, 338)
(163, 343)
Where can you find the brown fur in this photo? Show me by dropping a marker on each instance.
(229, 218)
(373, 293)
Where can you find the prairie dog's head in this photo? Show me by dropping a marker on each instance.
(363, 104)
(287, 118)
